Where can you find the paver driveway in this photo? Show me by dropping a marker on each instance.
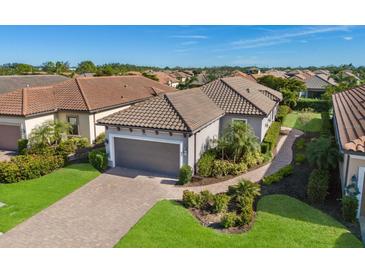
(102, 211)
(96, 215)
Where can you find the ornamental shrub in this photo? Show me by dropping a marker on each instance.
(272, 135)
(206, 200)
(220, 203)
(185, 175)
(278, 176)
(191, 199)
(229, 219)
(349, 208)
(26, 167)
(245, 205)
(316, 104)
(318, 185)
(205, 163)
(282, 112)
(221, 168)
(22, 146)
(100, 139)
(98, 159)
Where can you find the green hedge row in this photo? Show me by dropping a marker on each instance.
(26, 167)
(278, 176)
(317, 104)
(272, 135)
(282, 112)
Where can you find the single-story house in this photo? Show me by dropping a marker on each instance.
(316, 85)
(14, 82)
(165, 132)
(80, 102)
(349, 124)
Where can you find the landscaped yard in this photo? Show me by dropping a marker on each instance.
(24, 199)
(281, 221)
(305, 121)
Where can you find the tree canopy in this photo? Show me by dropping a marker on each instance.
(86, 66)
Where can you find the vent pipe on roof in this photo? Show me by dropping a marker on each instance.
(248, 90)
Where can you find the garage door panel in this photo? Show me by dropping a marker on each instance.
(147, 155)
(9, 136)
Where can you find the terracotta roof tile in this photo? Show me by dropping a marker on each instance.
(349, 110)
(81, 94)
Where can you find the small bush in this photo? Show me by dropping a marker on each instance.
(100, 139)
(98, 159)
(205, 164)
(282, 113)
(272, 135)
(246, 210)
(80, 142)
(206, 200)
(185, 175)
(236, 169)
(22, 146)
(191, 199)
(318, 186)
(229, 219)
(278, 176)
(65, 148)
(349, 208)
(41, 150)
(265, 148)
(221, 168)
(300, 144)
(220, 203)
(26, 167)
(299, 158)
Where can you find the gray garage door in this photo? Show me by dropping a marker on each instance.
(9, 136)
(162, 158)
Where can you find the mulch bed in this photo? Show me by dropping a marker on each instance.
(295, 186)
(213, 221)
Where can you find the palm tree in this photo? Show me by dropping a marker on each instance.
(49, 133)
(238, 140)
(322, 153)
(246, 189)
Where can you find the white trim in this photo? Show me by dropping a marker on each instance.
(240, 119)
(142, 138)
(358, 157)
(360, 182)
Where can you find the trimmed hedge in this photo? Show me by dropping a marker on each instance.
(272, 135)
(22, 146)
(278, 176)
(349, 208)
(326, 124)
(282, 113)
(98, 159)
(26, 167)
(317, 105)
(205, 164)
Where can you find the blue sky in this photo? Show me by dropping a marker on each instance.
(185, 45)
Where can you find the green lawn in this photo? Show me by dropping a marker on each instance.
(24, 199)
(282, 221)
(295, 120)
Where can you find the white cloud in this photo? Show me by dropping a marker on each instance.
(189, 36)
(347, 38)
(283, 38)
(188, 43)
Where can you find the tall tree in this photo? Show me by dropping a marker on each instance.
(86, 66)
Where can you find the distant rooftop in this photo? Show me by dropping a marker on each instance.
(14, 82)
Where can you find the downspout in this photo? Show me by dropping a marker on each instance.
(346, 172)
(194, 153)
(94, 128)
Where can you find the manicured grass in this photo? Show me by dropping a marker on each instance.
(282, 221)
(24, 199)
(313, 125)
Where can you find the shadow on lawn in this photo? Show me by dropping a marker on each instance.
(344, 239)
(299, 211)
(314, 125)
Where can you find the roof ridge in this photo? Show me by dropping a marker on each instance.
(82, 94)
(243, 96)
(178, 114)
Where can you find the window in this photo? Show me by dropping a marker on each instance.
(74, 122)
(240, 120)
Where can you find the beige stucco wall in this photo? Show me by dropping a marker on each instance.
(84, 122)
(354, 166)
(95, 117)
(33, 122)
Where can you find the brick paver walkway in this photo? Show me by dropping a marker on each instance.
(102, 211)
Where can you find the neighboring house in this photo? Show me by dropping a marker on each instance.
(13, 82)
(317, 84)
(80, 102)
(199, 80)
(163, 133)
(244, 75)
(349, 123)
(272, 72)
(167, 79)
